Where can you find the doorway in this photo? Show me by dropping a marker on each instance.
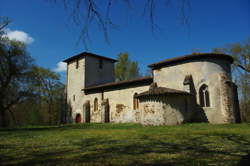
(86, 110)
(106, 112)
(78, 118)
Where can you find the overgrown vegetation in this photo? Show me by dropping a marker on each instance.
(126, 144)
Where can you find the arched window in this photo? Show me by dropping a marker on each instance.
(204, 96)
(95, 104)
(135, 102)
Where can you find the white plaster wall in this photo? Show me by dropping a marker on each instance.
(75, 83)
(206, 71)
(95, 115)
(171, 109)
(122, 96)
(88, 73)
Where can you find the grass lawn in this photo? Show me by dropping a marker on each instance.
(126, 144)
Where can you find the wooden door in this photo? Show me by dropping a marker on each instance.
(78, 118)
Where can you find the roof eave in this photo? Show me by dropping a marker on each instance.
(112, 85)
(190, 57)
(88, 54)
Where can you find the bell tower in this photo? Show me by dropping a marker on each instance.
(85, 70)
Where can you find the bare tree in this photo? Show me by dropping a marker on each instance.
(4, 21)
(88, 12)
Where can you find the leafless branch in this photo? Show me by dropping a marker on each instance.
(87, 12)
(242, 67)
(4, 21)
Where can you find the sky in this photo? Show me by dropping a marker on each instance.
(52, 36)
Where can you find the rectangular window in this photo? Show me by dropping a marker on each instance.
(100, 63)
(74, 97)
(77, 64)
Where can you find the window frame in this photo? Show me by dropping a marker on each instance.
(100, 63)
(95, 104)
(204, 96)
(135, 102)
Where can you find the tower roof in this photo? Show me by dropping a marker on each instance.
(83, 54)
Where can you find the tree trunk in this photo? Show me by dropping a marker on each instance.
(3, 117)
(13, 117)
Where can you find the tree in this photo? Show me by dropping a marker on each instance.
(46, 106)
(47, 86)
(241, 73)
(15, 65)
(126, 69)
(95, 12)
(4, 21)
(22, 83)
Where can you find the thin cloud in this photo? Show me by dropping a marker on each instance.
(60, 67)
(19, 36)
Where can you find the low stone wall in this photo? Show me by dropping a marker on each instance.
(166, 110)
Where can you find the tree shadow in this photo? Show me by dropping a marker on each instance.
(103, 150)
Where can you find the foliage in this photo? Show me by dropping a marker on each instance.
(241, 73)
(30, 94)
(47, 104)
(126, 69)
(15, 65)
(50, 92)
(126, 144)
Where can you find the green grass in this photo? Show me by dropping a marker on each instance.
(126, 144)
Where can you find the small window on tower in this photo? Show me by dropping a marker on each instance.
(77, 64)
(100, 63)
(74, 97)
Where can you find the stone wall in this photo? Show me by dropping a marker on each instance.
(88, 73)
(170, 109)
(94, 75)
(120, 104)
(206, 71)
(75, 82)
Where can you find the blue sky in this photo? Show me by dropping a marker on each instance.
(212, 23)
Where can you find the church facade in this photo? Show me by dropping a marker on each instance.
(190, 88)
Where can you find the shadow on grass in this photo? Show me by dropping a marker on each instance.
(144, 151)
(74, 126)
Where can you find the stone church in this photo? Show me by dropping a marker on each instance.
(190, 88)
